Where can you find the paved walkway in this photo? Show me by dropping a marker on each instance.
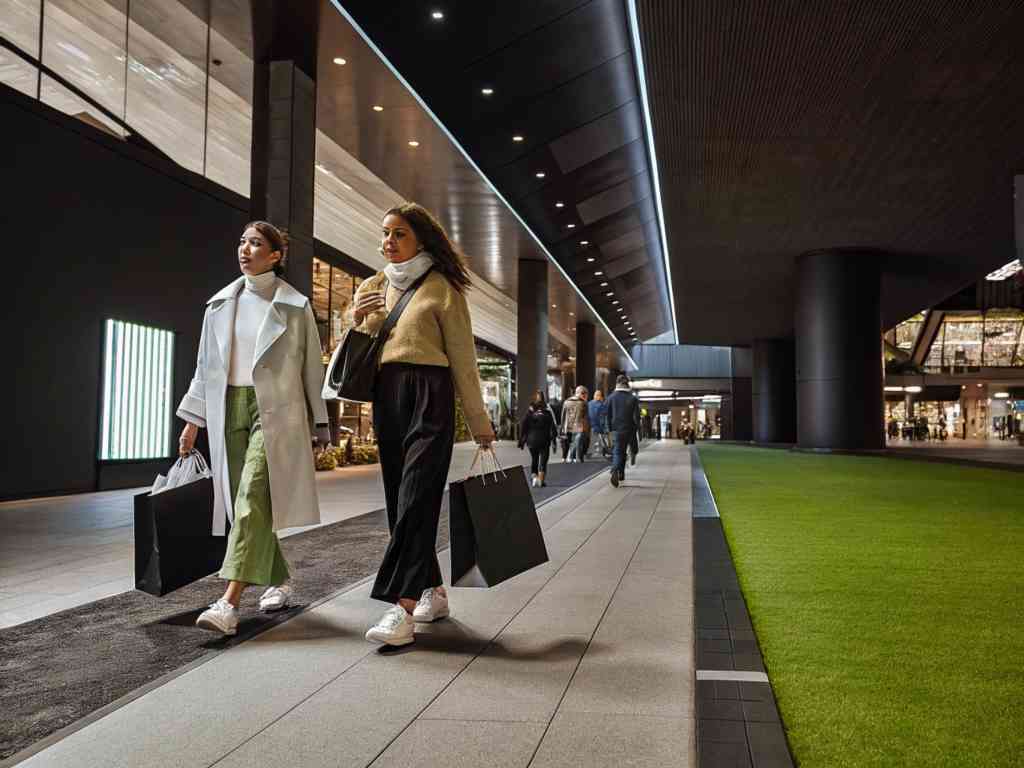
(1005, 453)
(60, 552)
(584, 661)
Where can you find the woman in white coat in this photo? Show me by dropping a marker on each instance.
(257, 392)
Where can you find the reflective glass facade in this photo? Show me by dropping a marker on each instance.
(991, 339)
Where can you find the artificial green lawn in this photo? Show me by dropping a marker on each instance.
(887, 596)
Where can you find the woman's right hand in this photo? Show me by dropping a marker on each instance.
(371, 301)
(187, 441)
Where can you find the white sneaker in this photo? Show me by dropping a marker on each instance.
(221, 617)
(432, 606)
(395, 627)
(534, 482)
(275, 598)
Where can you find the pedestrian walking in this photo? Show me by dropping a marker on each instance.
(596, 409)
(537, 432)
(575, 423)
(429, 356)
(623, 419)
(256, 391)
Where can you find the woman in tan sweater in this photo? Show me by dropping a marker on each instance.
(429, 356)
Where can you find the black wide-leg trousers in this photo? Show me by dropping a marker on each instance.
(414, 420)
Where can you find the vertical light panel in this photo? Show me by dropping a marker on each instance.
(136, 410)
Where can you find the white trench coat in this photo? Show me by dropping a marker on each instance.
(287, 373)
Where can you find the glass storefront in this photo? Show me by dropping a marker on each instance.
(991, 339)
(333, 289)
(496, 386)
(933, 420)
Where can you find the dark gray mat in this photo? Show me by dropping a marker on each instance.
(60, 668)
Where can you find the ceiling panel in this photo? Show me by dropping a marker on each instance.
(791, 126)
(565, 83)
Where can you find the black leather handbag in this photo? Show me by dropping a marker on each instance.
(353, 371)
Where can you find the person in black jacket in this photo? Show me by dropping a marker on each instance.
(537, 432)
(623, 415)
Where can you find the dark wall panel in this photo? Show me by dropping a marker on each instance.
(94, 232)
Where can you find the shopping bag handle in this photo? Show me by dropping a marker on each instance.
(497, 464)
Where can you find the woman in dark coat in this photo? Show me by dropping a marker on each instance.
(537, 432)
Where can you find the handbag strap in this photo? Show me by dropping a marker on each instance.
(396, 311)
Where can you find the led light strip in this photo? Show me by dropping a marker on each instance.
(494, 189)
(634, 28)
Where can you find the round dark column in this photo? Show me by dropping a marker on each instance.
(839, 371)
(531, 332)
(773, 386)
(586, 356)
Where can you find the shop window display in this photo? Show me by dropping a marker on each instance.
(496, 388)
(971, 340)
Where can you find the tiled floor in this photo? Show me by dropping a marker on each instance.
(584, 661)
(60, 552)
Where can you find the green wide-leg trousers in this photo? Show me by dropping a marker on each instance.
(254, 555)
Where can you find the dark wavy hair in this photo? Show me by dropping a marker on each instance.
(278, 240)
(539, 400)
(448, 260)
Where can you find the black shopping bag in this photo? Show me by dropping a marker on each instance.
(495, 533)
(174, 545)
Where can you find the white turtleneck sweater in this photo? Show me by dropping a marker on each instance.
(251, 309)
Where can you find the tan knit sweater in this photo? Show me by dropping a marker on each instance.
(434, 329)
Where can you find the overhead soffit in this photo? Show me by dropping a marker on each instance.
(433, 173)
(786, 127)
(563, 79)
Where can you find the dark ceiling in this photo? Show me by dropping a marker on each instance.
(562, 74)
(793, 125)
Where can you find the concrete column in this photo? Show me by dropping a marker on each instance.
(839, 370)
(532, 332)
(773, 391)
(586, 356)
(285, 38)
(737, 410)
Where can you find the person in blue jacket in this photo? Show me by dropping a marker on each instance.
(623, 419)
(596, 409)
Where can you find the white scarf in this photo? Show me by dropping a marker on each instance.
(404, 274)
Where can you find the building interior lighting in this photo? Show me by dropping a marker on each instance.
(559, 205)
(414, 143)
(517, 137)
(540, 174)
(340, 8)
(487, 91)
(1002, 395)
(570, 226)
(590, 260)
(610, 293)
(554, 306)
(615, 302)
(584, 242)
(894, 389)
(378, 108)
(603, 285)
(437, 15)
(340, 61)
(1005, 271)
(634, 27)
(912, 390)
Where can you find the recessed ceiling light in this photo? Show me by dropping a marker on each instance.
(554, 306)
(570, 226)
(378, 108)
(487, 91)
(540, 174)
(615, 302)
(590, 259)
(572, 314)
(559, 205)
(414, 143)
(437, 15)
(517, 137)
(584, 242)
(603, 285)
(610, 293)
(598, 273)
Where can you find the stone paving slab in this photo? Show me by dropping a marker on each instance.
(543, 670)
